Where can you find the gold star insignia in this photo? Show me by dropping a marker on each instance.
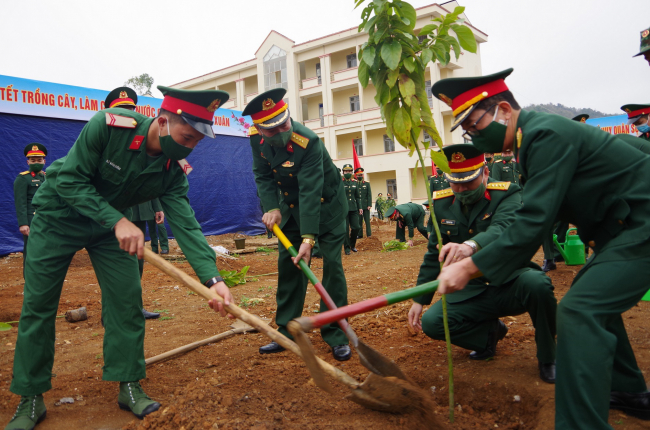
(645, 33)
(123, 95)
(34, 148)
(445, 99)
(214, 105)
(457, 157)
(268, 104)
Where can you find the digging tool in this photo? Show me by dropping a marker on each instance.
(370, 358)
(358, 392)
(238, 326)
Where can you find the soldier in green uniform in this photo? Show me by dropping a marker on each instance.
(472, 213)
(489, 159)
(597, 182)
(301, 191)
(355, 210)
(119, 160)
(506, 169)
(638, 115)
(379, 206)
(438, 181)
(25, 186)
(390, 201)
(366, 202)
(645, 45)
(409, 215)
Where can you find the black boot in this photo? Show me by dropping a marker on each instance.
(271, 348)
(548, 265)
(149, 315)
(494, 336)
(547, 372)
(341, 352)
(634, 404)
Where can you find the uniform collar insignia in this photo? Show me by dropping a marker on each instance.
(287, 164)
(486, 216)
(520, 137)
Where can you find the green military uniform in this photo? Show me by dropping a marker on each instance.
(636, 113)
(366, 202)
(312, 204)
(390, 203)
(411, 215)
(506, 171)
(379, 207)
(438, 182)
(645, 43)
(144, 215)
(599, 183)
(87, 192)
(473, 312)
(25, 186)
(352, 227)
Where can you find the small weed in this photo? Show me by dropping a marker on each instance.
(95, 334)
(98, 357)
(264, 249)
(385, 288)
(260, 289)
(405, 281)
(165, 318)
(191, 293)
(619, 422)
(161, 311)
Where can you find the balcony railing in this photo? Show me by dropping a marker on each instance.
(341, 75)
(310, 83)
(231, 103)
(360, 115)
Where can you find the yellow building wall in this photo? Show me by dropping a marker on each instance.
(419, 191)
(310, 68)
(230, 88)
(312, 107)
(250, 85)
(368, 100)
(338, 60)
(375, 144)
(378, 183)
(344, 144)
(341, 100)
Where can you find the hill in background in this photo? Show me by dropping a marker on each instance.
(567, 112)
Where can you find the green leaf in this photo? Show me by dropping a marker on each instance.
(391, 53)
(440, 160)
(454, 44)
(415, 173)
(369, 55)
(363, 74)
(415, 111)
(5, 326)
(382, 28)
(427, 29)
(402, 126)
(409, 64)
(391, 78)
(406, 87)
(465, 38)
(407, 11)
(358, 3)
(427, 56)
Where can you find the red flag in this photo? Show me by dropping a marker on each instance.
(354, 155)
(434, 172)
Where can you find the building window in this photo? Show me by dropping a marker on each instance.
(354, 104)
(391, 187)
(426, 136)
(427, 87)
(275, 69)
(389, 145)
(358, 146)
(320, 115)
(421, 40)
(352, 60)
(318, 73)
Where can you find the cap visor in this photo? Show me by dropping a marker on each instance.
(462, 177)
(201, 127)
(458, 120)
(275, 121)
(634, 119)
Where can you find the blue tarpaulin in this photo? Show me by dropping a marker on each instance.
(222, 186)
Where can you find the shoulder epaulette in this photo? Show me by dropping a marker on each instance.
(25, 172)
(120, 121)
(187, 168)
(299, 140)
(503, 186)
(441, 194)
(252, 131)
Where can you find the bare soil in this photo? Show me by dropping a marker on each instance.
(229, 385)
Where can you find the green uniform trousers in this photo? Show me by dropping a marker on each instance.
(29, 223)
(550, 250)
(164, 241)
(292, 283)
(365, 217)
(470, 321)
(594, 355)
(400, 231)
(352, 230)
(58, 234)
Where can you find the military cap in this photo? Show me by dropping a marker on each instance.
(359, 169)
(583, 117)
(268, 110)
(195, 107)
(35, 150)
(463, 94)
(123, 97)
(347, 167)
(645, 42)
(465, 162)
(388, 212)
(634, 112)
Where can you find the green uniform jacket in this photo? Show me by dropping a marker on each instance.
(488, 219)
(409, 214)
(438, 183)
(390, 203)
(366, 194)
(505, 171)
(146, 211)
(639, 143)
(379, 204)
(353, 195)
(309, 183)
(106, 173)
(601, 195)
(25, 186)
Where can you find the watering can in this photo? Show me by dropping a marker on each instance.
(572, 249)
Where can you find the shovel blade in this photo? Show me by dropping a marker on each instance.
(377, 362)
(388, 394)
(309, 357)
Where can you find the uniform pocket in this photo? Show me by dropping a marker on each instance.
(110, 173)
(449, 230)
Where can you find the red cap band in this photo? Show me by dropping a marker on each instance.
(269, 113)
(644, 111)
(473, 96)
(465, 165)
(38, 153)
(118, 102)
(172, 104)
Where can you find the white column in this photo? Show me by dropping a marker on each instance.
(239, 89)
(404, 185)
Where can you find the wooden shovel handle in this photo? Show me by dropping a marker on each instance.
(248, 318)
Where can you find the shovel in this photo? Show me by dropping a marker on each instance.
(370, 358)
(365, 394)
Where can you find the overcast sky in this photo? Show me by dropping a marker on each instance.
(574, 52)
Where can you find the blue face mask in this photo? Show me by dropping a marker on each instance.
(645, 128)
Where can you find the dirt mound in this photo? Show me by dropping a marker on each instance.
(369, 244)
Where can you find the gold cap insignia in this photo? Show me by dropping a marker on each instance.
(583, 119)
(445, 99)
(645, 33)
(627, 110)
(34, 148)
(268, 104)
(457, 157)
(214, 105)
(123, 95)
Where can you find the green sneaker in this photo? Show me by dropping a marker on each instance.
(133, 398)
(31, 411)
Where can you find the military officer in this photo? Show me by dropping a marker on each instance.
(645, 45)
(379, 206)
(409, 215)
(119, 160)
(489, 159)
(25, 186)
(473, 212)
(505, 169)
(366, 202)
(438, 181)
(301, 191)
(638, 115)
(598, 182)
(390, 201)
(355, 210)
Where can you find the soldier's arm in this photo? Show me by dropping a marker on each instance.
(358, 196)
(408, 220)
(20, 200)
(266, 187)
(496, 172)
(73, 182)
(502, 218)
(155, 203)
(186, 228)
(640, 144)
(369, 194)
(310, 178)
